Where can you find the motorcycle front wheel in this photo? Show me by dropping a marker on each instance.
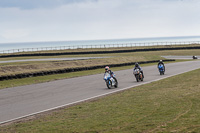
(137, 77)
(109, 84)
(161, 73)
(141, 78)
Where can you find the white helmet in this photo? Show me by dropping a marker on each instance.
(106, 68)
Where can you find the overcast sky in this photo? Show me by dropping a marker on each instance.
(62, 20)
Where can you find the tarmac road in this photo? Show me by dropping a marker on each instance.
(179, 57)
(19, 102)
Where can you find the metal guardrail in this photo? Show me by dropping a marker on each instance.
(97, 46)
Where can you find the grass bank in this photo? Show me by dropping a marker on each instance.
(168, 105)
(23, 67)
(27, 67)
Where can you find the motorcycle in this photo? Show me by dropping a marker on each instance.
(110, 80)
(194, 57)
(138, 75)
(161, 69)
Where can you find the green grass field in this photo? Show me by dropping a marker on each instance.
(168, 105)
(116, 58)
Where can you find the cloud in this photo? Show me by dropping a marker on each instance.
(57, 20)
(32, 4)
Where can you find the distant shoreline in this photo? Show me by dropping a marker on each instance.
(21, 45)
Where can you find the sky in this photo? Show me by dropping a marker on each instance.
(63, 20)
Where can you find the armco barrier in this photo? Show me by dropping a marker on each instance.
(67, 70)
(99, 52)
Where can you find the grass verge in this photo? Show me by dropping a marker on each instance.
(37, 66)
(168, 105)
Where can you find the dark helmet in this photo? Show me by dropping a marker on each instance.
(136, 64)
(160, 61)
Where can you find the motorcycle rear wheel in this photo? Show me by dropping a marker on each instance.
(116, 82)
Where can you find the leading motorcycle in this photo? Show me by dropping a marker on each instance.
(111, 81)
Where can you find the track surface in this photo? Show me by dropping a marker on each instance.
(179, 57)
(27, 100)
(52, 59)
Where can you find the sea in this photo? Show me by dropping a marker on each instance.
(88, 43)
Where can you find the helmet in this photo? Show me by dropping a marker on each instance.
(160, 61)
(106, 68)
(136, 64)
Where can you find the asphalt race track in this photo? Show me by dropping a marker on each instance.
(179, 57)
(19, 102)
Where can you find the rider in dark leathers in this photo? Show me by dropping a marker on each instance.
(137, 66)
(161, 62)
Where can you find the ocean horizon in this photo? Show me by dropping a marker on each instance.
(21, 45)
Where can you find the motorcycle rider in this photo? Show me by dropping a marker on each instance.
(137, 66)
(107, 70)
(161, 63)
